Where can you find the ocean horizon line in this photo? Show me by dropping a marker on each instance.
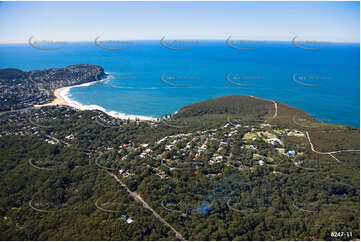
(187, 39)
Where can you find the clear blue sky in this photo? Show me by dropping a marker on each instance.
(84, 21)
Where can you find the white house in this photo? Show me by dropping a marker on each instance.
(274, 140)
(129, 221)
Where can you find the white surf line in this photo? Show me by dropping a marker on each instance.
(327, 153)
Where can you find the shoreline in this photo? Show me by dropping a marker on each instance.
(62, 99)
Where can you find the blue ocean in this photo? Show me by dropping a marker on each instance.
(149, 78)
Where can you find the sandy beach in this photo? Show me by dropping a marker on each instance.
(61, 98)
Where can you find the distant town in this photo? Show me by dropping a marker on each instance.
(24, 89)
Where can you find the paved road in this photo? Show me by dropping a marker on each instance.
(138, 198)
